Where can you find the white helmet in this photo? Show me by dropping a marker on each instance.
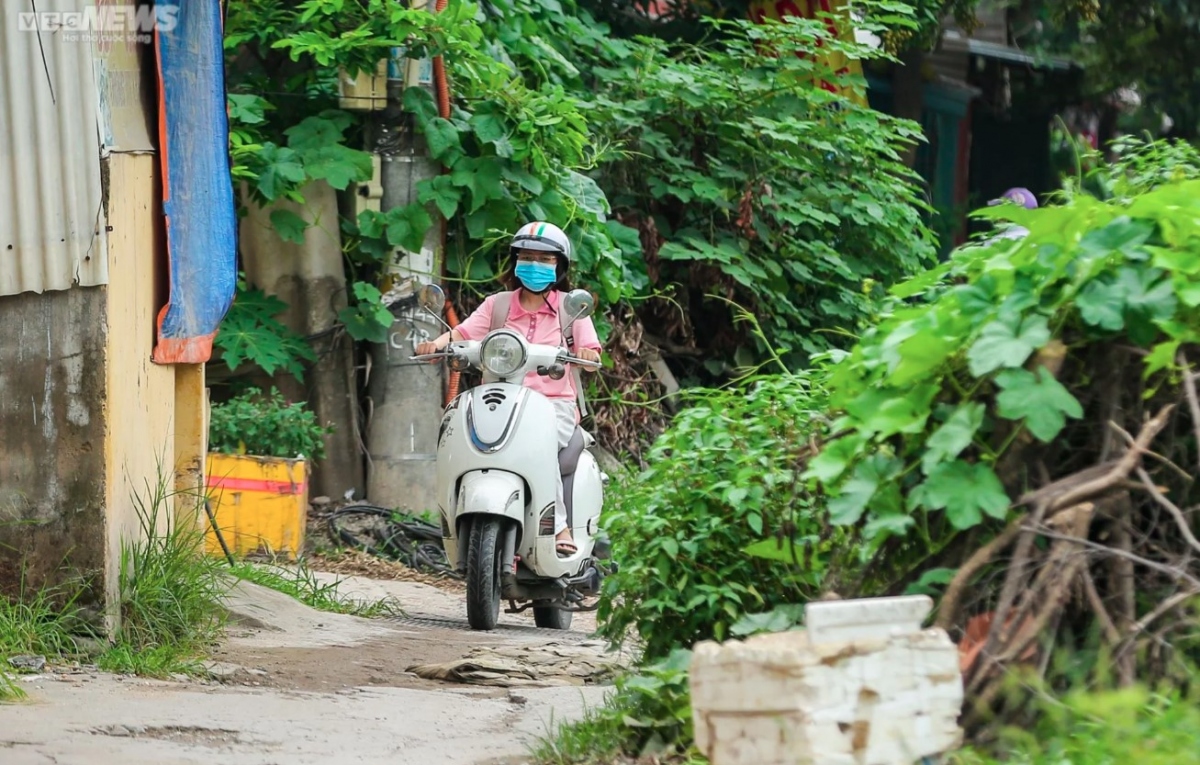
(543, 237)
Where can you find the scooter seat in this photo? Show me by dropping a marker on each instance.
(568, 456)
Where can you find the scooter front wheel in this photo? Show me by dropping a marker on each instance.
(483, 574)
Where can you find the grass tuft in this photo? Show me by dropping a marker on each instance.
(9, 690)
(170, 592)
(45, 622)
(301, 583)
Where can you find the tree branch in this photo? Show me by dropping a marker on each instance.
(948, 610)
(1180, 519)
(1189, 390)
(1173, 573)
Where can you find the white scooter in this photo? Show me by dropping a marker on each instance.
(496, 457)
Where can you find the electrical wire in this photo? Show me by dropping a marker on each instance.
(388, 534)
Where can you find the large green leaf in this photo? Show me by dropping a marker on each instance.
(442, 192)
(965, 491)
(1041, 401)
(279, 169)
(1007, 343)
(870, 476)
(441, 136)
(338, 165)
(289, 225)
(887, 411)
(953, 435)
(1102, 304)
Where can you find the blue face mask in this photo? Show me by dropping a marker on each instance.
(536, 277)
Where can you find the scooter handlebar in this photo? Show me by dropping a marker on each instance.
(580, 362)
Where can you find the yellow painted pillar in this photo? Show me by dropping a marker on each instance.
(191, 442)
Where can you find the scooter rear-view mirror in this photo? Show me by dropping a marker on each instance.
(579, 304)
(432, 299)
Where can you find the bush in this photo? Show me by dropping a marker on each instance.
(265, 425)
(1114, 728)
(699, 534)
(762, 186)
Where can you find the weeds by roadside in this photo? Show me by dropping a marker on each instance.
(170, 594)
(1086, 727)
(9, 690)
(170, 601)
(649, 716)
(38, 623)
(301, 583)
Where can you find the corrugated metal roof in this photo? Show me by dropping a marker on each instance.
(51, 218)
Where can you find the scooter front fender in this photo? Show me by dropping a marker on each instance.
(492, 492)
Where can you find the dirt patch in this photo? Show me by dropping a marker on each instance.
(289, 647)
(376, 663)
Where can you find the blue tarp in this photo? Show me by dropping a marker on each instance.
(201, 219)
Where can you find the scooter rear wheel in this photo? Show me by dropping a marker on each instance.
(483, 574)
(551, 618)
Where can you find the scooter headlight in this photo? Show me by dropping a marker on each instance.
(502, 354)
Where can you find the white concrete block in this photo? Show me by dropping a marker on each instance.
(888, 695)
(839, 621)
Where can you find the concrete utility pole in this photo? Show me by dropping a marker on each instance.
(406, 397)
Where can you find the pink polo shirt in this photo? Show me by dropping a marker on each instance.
(540, 327)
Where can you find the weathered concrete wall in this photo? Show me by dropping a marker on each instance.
(90, 427)
(52, 436)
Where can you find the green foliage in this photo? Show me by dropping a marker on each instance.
(1141, 164)
(649, 715)
(170, 592)
(250, 332)
(961, 366)
(40, 622)
(699, 548)
(46, 622)
(267, 426)
(1088, 728)
(515, 147)
(367, 318)
(768, 189)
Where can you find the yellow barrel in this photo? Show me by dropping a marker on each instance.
(261, 504)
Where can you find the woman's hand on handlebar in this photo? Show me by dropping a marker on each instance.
(589, 354)
(427, 347)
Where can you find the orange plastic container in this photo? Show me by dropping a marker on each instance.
(261, 504)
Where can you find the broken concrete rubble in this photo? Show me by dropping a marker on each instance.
(529, 666)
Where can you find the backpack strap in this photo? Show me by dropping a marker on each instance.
(568, 331)
(500, 308)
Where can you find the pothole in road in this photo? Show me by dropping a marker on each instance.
(183, 734)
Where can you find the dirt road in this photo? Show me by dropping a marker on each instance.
(298, 687)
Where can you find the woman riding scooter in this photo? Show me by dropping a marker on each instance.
(540, 256)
